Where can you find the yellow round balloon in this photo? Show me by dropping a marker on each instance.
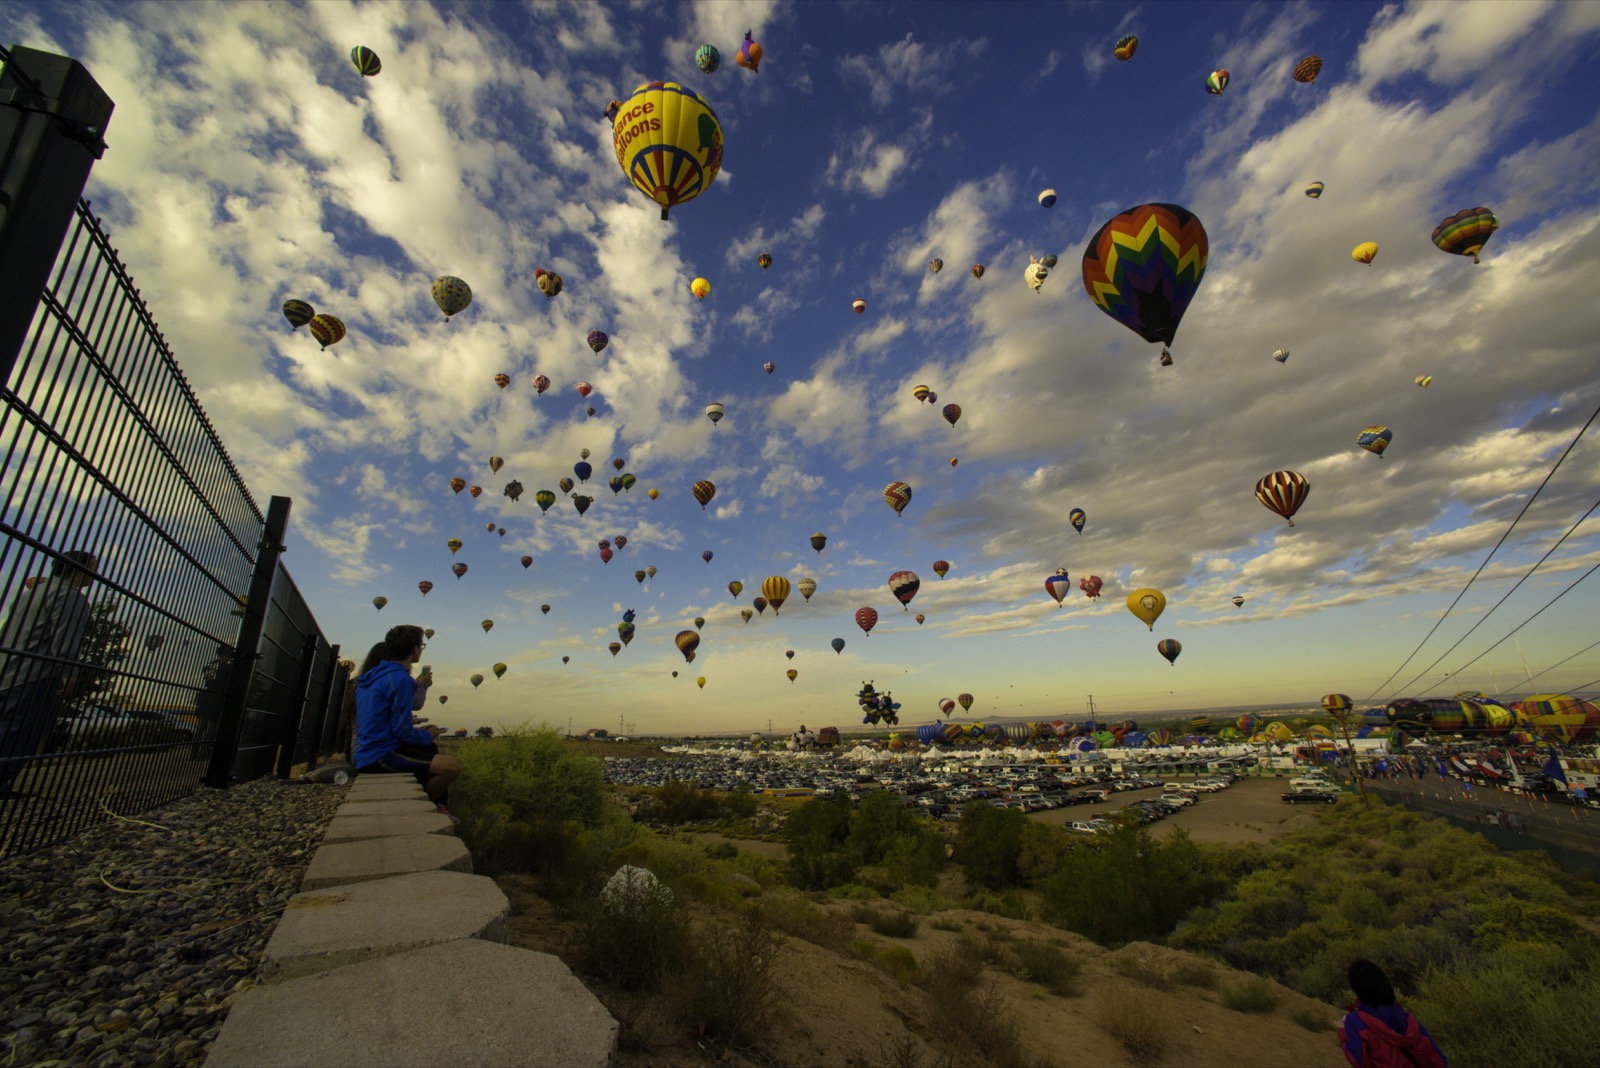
(668, 142)
(1364, 252)
(700, 288)
(701, 682)
(653, 493)
(1147, 604)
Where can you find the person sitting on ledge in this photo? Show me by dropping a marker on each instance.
(386, 740)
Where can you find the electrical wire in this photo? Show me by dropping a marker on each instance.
(1524, 623)
(1558, 663)
(1529, 504)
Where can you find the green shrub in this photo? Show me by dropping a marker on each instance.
(681, 802)
(1127, 886)
(899, 963)
(730, 985)
(1048, 965)
(863, 949)
(635, 943)
(530, 775)
(1316, 1021)
(989, 844)
(974, 951)
(1254, 994)
(922, 900)
(1514, 1008)
(817, 834)
(894, 923)
(1007, 903)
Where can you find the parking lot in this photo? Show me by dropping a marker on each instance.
(1251, 810)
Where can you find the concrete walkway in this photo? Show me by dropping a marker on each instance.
(393, 954)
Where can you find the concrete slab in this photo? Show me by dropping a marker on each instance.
(351, 828)
(384, 787)
(464, 1003)
(340, 863)
(384, 808)
(326, 929)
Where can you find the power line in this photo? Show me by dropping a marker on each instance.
(1561, 459)
(1558, 663)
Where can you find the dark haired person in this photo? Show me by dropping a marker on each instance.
(387, 742)
(1376, 1032)
(208, 702)
(38, 644)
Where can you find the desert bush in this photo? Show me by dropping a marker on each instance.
(730, 983)
(854, 892)
(740, 802)
(903, 1052)
(534, 774)
(1254, 994)
(1143, 971)
(1127, 886)
(1048, 965)
(945, 925)
(792, 914)
(863, 949)
(899, 963)
(974, 951)
(721, 850)
(894, 923)
(1314, 1020)
(992, 1028)
(680, 802)
(817, 834)
(922, 900)
(1007, 903)
(1513, 1008)
(1196, 973)
(1138, 1024)
(634, 943)
(1040, 851)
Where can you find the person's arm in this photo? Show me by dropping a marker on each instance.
(400, 701)
(1350, 1039)
(422, 692)
(66, 633)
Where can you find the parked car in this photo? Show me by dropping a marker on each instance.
(1297, 797)
(1177, 799)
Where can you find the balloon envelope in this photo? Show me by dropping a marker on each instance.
(1144, 266)
(1147, 604)
(668, 142)
(1464, 233)
(1283, 492)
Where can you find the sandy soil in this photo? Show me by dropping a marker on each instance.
(838, 1011)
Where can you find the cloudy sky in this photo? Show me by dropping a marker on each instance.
(250, 163)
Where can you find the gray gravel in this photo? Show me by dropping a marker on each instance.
(126, 945)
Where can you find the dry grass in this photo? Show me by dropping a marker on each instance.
(1048, 965)
(1317, 1021)
(792, 914)
(899, 963)
(1196, 973)
(1254, 994)
(1142, 971)
(1140, 1026)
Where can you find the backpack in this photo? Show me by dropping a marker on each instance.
(1383, 1048)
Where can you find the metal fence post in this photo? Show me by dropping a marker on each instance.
(248, 651)
(302, 692)
(318, 723)
(53, 120)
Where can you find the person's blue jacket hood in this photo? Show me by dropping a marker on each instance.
(383, 713)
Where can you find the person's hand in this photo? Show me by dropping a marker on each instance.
(434, 729)
(425, 679)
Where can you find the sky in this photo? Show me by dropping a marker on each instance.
(250, 163)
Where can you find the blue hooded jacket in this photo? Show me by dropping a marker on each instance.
(383, 713)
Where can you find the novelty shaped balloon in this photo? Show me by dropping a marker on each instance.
(1047, 199)
(941, 568)
(1035, 274)
(700, 288)
(451, 294)
(1307, 69)
(819, 540)
(1147, 605)
(1424, 381)
(327, 330)
(366, 60)
(1283, 492)
(581, 502)
(904, 585)
(703, 492)
(1144, 266)
(866, 619)
(598, 340)
(775, 588)
(424, 586)
(897, 495)
(549, 282)
(1169, 648)
(1314, 190)
(1364, 252)
(1077, 518)
(379, 602)
(838, 645)
(1091, 586)
(952, 412)
(769, 367)
(1126, 47)
(1464, 233)
(1216, 82)
(715, 412)
(707, 58)
(749, 56)
(1058, 585)
(1375, 439)
(746, 615)
(299, 313)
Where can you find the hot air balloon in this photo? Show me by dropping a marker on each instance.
(838, 646)
(977, 270)
(920, 392)
(707, 58)
(527, 562)
(490, 528)
(859, 305)
(583, 470)
(688, 641)
(566, 659)
(366, 60)
(1091, 586)
(499, 671)
(584, 389)
(1464, 233)
(1049, 262)
(954, 461)
(454, 545)
(652, 493)
(1147, 604)
(1424, 381)
(735, 587)
(476, 680)
(1144, 266)
(746, 615)
(379, 602)
(1334, 703)
(451, 294)
(581, 502)
(606, 555)
(1058, 584)
(475, 492)
(936, 265)
(1314, 190)
(952, 412)
(540, 383)
(806, 586)
(703, 492)
(487, 625)
(1238, 601)
(897, 495)
(792, 673)
(1047, 199)
(327, 330)
(566, 485)
(651, 571)
(700, 288)
(545, 609)
(424, 586)
(1126, 47)
(700, 682)
(946, 705)
(941, 568)
(1169, 648)
(769, 367)
(1283, 492)
(749, 56)
(458, 484)
(765, 260)
(444, 698)
(919, 617)
(1364, 252)
(1375, 439)
(628, 481)
(706, 556)
(598, 340)
(615, 647)
(1035, 274)
(760, 604)
(699, 621)
(819, 540)
(299, 313)
(1077, 517)
(965, 701)
(549, 282)
(776, 590)
(1216, 82)
(866, 619)
(496, 463)
(1281, 355)
(715, 412)
(1307, 69)
(933, 398)
(904, 585)
(620, 541)
(544, 499)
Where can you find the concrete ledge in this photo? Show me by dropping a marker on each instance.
(341, 863)
(325, 929)
(354, 828)
(386, 808)
(383, 787)
(463, 1003)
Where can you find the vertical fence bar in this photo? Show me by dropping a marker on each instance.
(302, 691)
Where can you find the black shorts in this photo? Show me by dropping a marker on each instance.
(407, 760)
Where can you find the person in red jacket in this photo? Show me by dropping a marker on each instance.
(1377, 1033)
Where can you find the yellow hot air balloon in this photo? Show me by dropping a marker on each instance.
(792, 673)
(700, 288)
(668, 142)
(652, 493)
(776, 590)
(1147, 604)
(1364, 252)
(701, 682)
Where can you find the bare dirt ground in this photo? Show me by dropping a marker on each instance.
(1140, 1005)
(1248, 811)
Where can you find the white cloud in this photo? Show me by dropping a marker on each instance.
(910, 66)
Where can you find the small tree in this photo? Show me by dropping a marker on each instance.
(484, 732)
(105, 645)
(817, 832)
(990, 844)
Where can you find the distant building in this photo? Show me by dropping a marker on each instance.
(597, 733)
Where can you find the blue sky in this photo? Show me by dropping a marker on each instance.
(250, 163)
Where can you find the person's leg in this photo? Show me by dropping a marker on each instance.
(27, 712)
(443, 770)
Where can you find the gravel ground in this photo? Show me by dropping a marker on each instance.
(127, 944)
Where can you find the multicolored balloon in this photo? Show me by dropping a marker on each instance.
(458, 484)
(807, 586)
(1375, 439)
(1169, 648)
(946, 705)
(952, 412)
(424, 586)
(769, 367)
(1283, 492)
(700, 288)
(936, 265)
(1314, 190)
(749, 56)
(598, 340)
(1464, 233)
(1144, 266)
(1126, 47)
(897, 495)
(459, 569)
(1364, 252)
(904, 585)
(379, 602)
(476, 680)
(977, 270)
(1216, 82)
(1424, 381)
(1281, 355)
(1091, 586)
(775, 588)
(668, 142)
(1077, 517)
(760, 604)
(327, 330)
(451, 294)
(764, 260)
(1058, 584)
(715, 412)
(707, 58)
(866, 619)
(1238, 601)
(540, 383)
(299, 313)
(1307, 69)
(858, 305)
(366, 60)
(941, 568)
(838, 646)
(688, 641)
(703, 492)
(1047, 199)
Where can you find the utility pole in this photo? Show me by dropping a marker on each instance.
(1091, 706)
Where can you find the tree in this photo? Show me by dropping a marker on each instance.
(874, 826)
(989, 845)
(484, 732)
(817, 832)
(105, 645)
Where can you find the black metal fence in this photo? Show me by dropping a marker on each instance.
(186, 654)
